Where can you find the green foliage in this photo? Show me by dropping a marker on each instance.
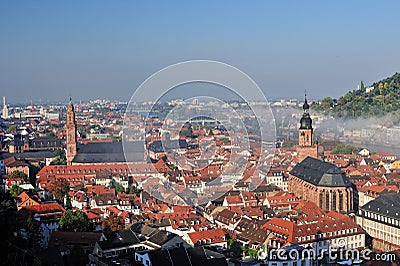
(118, 187)
(12, 129)
(133, 190)
(187, 131)
(382, 99)
(19, 174)
(76, 256)
(50, 134)
(33, 172)
(252, 253)
(15, 191)
(344, 149)
(75, 221)
(68, 204)
(288, 144)
(8, 220)
(60, 159)
(235, 247)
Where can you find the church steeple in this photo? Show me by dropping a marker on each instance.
(71, 133)
(306, 146)
(306, 137)
(305, 121)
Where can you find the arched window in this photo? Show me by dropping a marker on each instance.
(327, 200)
(321, 199)
(340, 201)
(334, 201)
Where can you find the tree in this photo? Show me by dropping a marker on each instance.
(32, 227)
(19, 174)
(235, 247)
(344, 149)
(113, 223)
(60, 158)
(75, 221)
(16, 190)
(12, 129)
(68, 204)
(59, 188)
(34, 170)
(112, 184)
(362, 86)
(327, 103)
(8, 220)
(133, 190)
(119, 188)
(76, 256)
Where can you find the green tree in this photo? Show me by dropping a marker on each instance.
(75, 221)
(133, 190)
(32, 227)
(344, 149)
(327, 103)
(19, 174)
(12, 129)
(8, 220)
(76, 256)
(119, 188)
(60, 158)
(235, 247)
(16, 190)
(68, 204)
(112, 184)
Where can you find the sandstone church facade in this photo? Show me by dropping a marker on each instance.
(315, 180)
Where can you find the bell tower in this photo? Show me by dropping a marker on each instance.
(306, 134)
(306, 146)
(71, 133)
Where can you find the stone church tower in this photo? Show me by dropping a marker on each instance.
(306, 146)
(71, 133)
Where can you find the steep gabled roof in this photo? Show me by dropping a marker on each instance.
(320, 173)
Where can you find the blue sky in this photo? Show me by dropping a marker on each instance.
(105, 49)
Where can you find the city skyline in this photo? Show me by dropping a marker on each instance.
(53, 50)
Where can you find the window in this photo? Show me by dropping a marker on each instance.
(327, 200)
(340, 201)
(334, 201)
(320, 200)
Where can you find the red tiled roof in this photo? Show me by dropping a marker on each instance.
(212, 236)
(45, 208)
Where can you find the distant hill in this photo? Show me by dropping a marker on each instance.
(381, 98)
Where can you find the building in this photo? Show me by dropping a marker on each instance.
(65, 242)
(333, 231)
(48, 215)
(99, 152)
(380, 218)
(5, 109)
(71, 133)
(286, 257)
(322, 183)
(306, 146)
(180, 256)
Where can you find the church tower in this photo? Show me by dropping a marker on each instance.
(306, 146)
(71, 133)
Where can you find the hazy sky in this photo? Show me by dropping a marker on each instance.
(105, 49)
